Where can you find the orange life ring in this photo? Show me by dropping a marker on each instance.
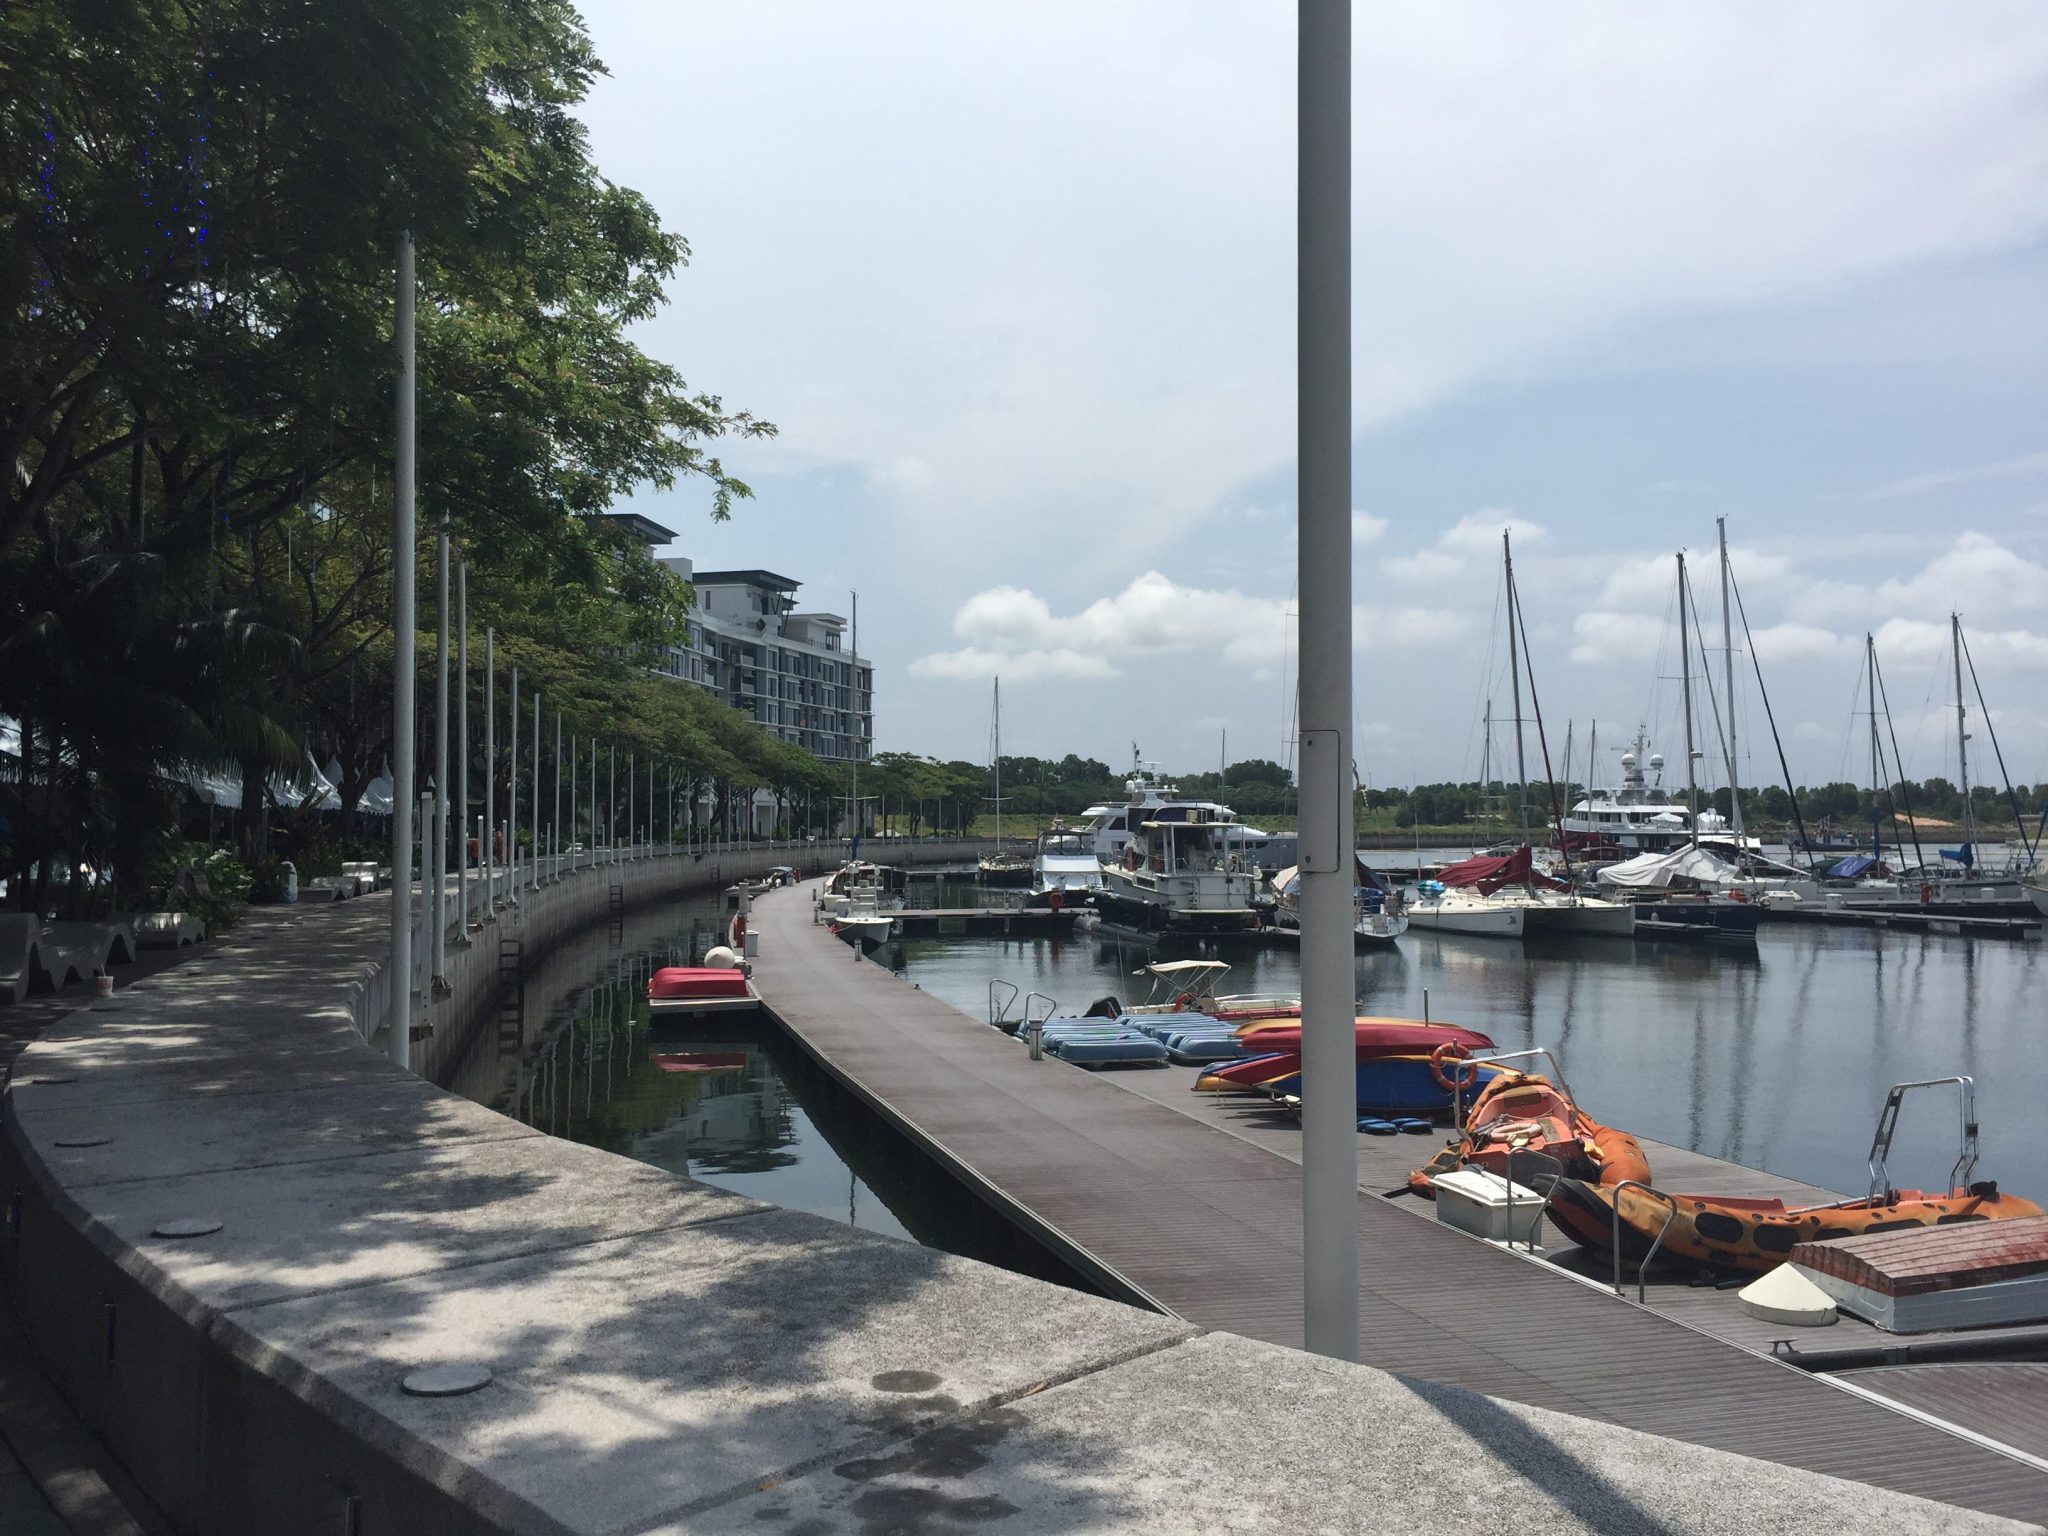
(1450, 1050)
(1183, 1002)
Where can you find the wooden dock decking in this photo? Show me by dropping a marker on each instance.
(1204, 1221)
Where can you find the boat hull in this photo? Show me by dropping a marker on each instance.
(1479, 920)
(1579, 919)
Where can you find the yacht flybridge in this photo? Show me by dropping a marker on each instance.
(1148, 796)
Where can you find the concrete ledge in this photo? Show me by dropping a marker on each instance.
(666, 1356)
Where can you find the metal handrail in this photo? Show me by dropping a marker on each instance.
(1495, 1058)
(1615, 1206)
(1052, 1005)
(1543, 1200)
(1888, 1124)
(997, 1015)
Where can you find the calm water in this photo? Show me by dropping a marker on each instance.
(1779, 1059)
(734, 1103)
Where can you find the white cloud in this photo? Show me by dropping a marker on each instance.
(1472, 540)
(1603, 636)
(1365, 528)
(1792, 641)
(1921, 643)
(1974, 574)
(1969, 474)
(1014, 632)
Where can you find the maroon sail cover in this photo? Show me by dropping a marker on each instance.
(1491, 874)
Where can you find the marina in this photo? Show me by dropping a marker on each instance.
(1166, 1198)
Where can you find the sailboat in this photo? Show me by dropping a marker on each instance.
(1955, 882)
(1505, 896)
(1005, 866)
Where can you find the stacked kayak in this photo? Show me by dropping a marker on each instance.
(1399, 1063)
(1191, 1039)
(1101, 1043)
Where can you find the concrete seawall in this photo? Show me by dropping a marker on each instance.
(666, 1356)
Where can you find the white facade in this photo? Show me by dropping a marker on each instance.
(793, 673)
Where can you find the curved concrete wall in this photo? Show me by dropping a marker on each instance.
(666, 1356)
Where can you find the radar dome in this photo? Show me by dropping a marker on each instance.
(1628, 759)
(1656, 762)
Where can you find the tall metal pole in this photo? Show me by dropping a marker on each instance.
(1507, 556)
(1876, 753)
(1692, 794)
(438, 906)
(611, 822)
(405, 617)
(555, 826)
(533, 865)
(632, 846)
(1955, 630)
(1728, 675)
(462, 757)
(575, 751)
(593, 802)
(489, 840)
(1329, 1143)
(512, 791)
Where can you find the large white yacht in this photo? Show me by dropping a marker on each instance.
(1149, 797)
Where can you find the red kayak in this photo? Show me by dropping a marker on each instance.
(1376, 1037)
(1248, 1075)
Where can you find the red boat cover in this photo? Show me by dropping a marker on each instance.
(696, 981)
(1376, 1037)
(1491, 875)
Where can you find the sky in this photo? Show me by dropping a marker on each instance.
(1016, 283)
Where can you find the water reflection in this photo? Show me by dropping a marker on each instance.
(730, 1101)
(1777, 1057)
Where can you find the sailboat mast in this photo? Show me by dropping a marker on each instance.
(1955, 625)
(1692, 808)
(1486, 758)
(1728, 658)
(998, 727)
(1515, 680)
(1876, 752)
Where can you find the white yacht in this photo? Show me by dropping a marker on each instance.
(1639, 817)
(1147, 796)
(1064, 864)
(1183, 872)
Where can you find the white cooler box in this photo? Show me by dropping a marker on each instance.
(1475, 1201)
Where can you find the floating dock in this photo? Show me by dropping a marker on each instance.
(1933, 920)
(1185, 1203)
(986, 922)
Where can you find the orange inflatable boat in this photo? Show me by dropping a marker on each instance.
(1724, 1232)
(1522, 1112)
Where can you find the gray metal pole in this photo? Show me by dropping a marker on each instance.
(462, 757)
(592, 858)
(1329, 1162)
(512, 791)
(1728, 677)
(404, 600)
(488, 848)
(439, 905)
(611, 822)
(632, 840)
(533, 865)
(575, 751)
(555, 826)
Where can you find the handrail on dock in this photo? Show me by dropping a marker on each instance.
(1642, 1268)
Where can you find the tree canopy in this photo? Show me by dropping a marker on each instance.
(202, 200)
